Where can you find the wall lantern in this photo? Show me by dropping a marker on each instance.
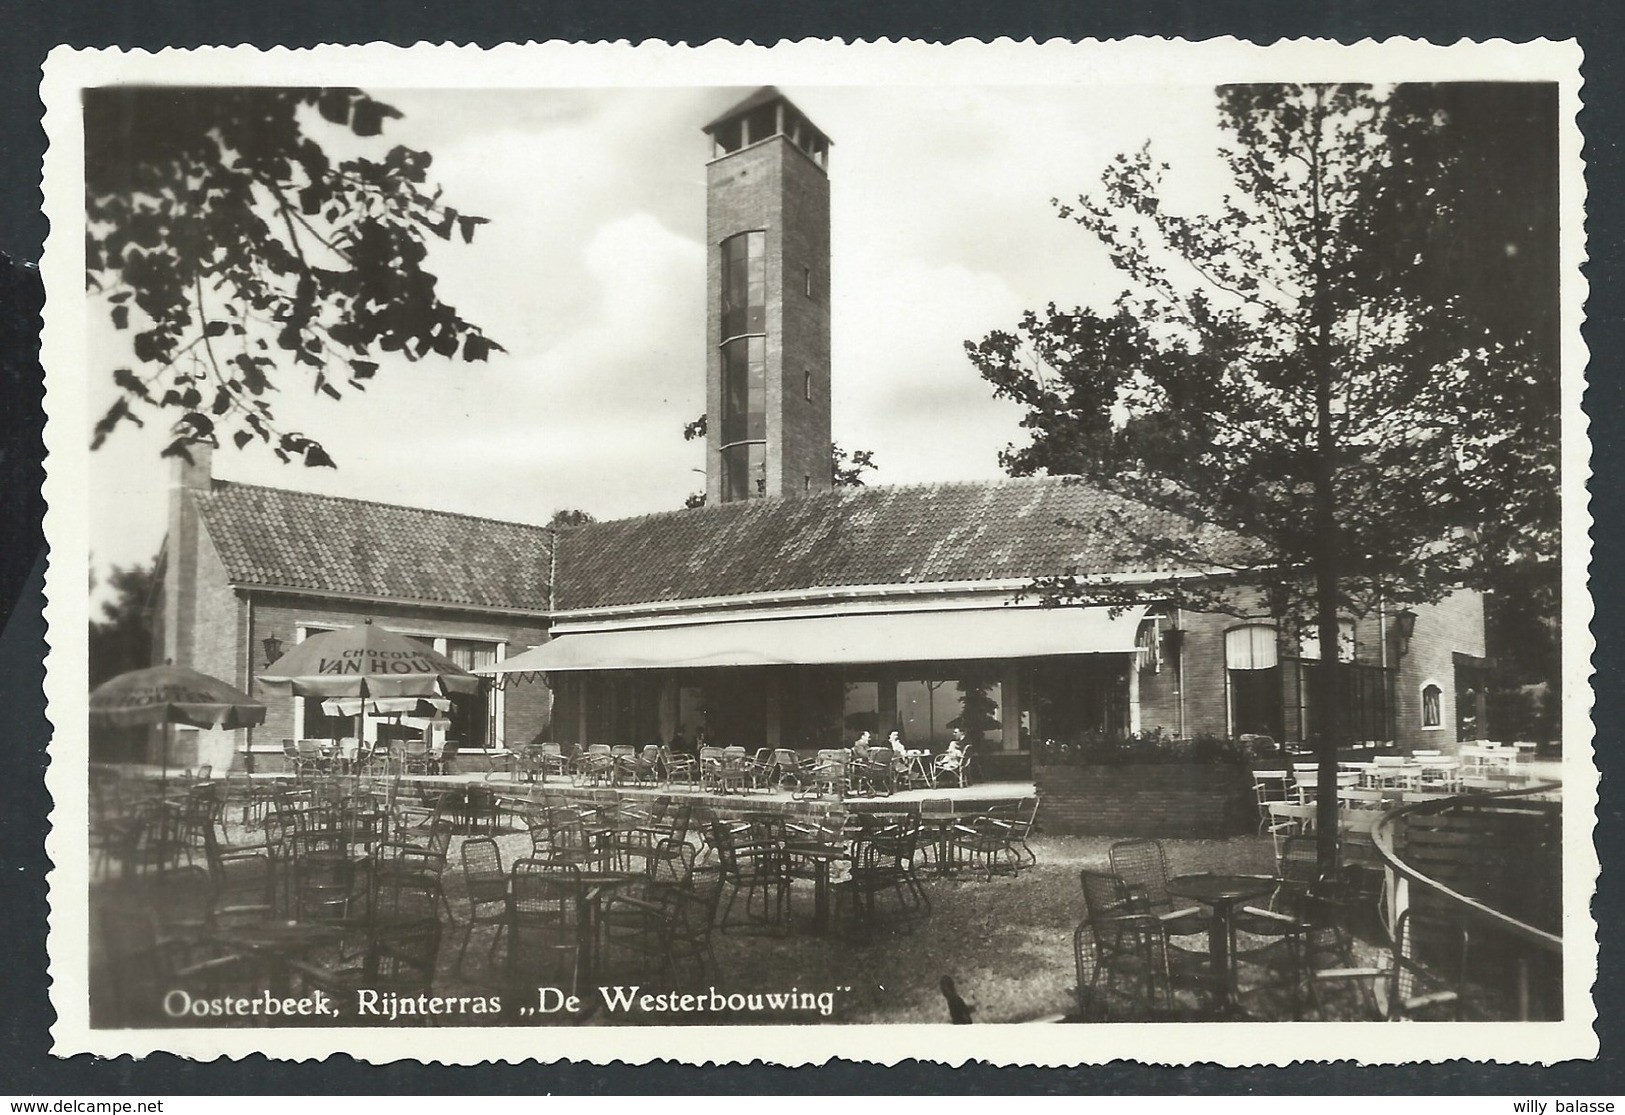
(1404, 628)
(273, 649)
(1172, 640)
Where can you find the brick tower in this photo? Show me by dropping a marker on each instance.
(767, 318)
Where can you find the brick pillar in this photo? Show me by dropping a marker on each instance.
(181, 553)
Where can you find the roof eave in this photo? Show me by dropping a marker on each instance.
(243, 586)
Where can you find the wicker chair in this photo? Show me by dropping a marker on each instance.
(545, 908)
(760, 870)
(1123, 962)
(487, 892)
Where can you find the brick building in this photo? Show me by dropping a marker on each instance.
(245, 568)
(785, 613)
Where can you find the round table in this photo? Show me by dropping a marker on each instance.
(279, 940)
(1223, 893)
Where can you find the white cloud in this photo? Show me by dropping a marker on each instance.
(591, 274)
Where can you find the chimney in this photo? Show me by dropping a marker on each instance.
(186, 479)
(194, 475)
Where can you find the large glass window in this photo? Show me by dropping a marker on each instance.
(929, 711)
(1470, 724)
(861, 709)
(1075, 698)
(744, 390)
(744, 285)
(473, 715)
(744, 471)
(1366, 701)
(1253, 670)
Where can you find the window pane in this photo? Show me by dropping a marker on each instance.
(744, 284)
(1432, 716)
(1250, 648)
(1309, 641)
(1255, 701)
(472, 714)
(744, 390)
(861, 709)
(744, 471)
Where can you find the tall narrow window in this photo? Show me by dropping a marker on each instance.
(744, 471)
(744, 285)
(744, 366)
(806, 281)
(806, 386)
(744, 390)
(1253, 671)
(1432, 710)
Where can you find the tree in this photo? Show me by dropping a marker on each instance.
(1295, 373)
(571, 517)
(121, 640)
(846, 469)
(244, 259)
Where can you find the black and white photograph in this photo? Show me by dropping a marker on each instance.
(804, 549)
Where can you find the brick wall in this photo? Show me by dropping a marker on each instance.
(1174, 801)
(527, 704)
(1454, 625)
(804, 425)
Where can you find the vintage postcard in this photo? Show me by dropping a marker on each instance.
(1036, 553)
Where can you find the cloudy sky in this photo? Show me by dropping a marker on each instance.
(592, 275)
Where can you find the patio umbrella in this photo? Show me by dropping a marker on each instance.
(171, 695)
(386, 706)
(393, 707)
(367, 661)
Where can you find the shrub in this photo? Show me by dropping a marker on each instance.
(1140, 748)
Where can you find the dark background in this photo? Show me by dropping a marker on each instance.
(29, 29)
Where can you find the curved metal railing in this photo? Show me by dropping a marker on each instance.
(1400, 877)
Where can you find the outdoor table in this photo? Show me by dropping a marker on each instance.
(279, 940)
(939, 829)
(821, 856)
(595, 886)
(919, 767)
(1222, 893)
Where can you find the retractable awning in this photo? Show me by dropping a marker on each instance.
(839, 640)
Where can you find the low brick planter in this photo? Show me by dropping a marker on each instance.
(1173, 800)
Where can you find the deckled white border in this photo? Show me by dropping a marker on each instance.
(1139, 61)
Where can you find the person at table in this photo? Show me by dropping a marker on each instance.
(895, 742)
(860, 746)
(949, 760)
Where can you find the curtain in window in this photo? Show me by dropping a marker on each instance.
(1250, 648)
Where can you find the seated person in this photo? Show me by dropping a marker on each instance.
(950, 759)
(899, 755)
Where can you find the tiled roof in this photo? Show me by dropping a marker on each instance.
(917, 534)
(274, 538)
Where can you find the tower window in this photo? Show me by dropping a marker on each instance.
(806, 386)
(806, 281)
(744, 390)
(744, 284)
(806, 483)
(744, 471)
